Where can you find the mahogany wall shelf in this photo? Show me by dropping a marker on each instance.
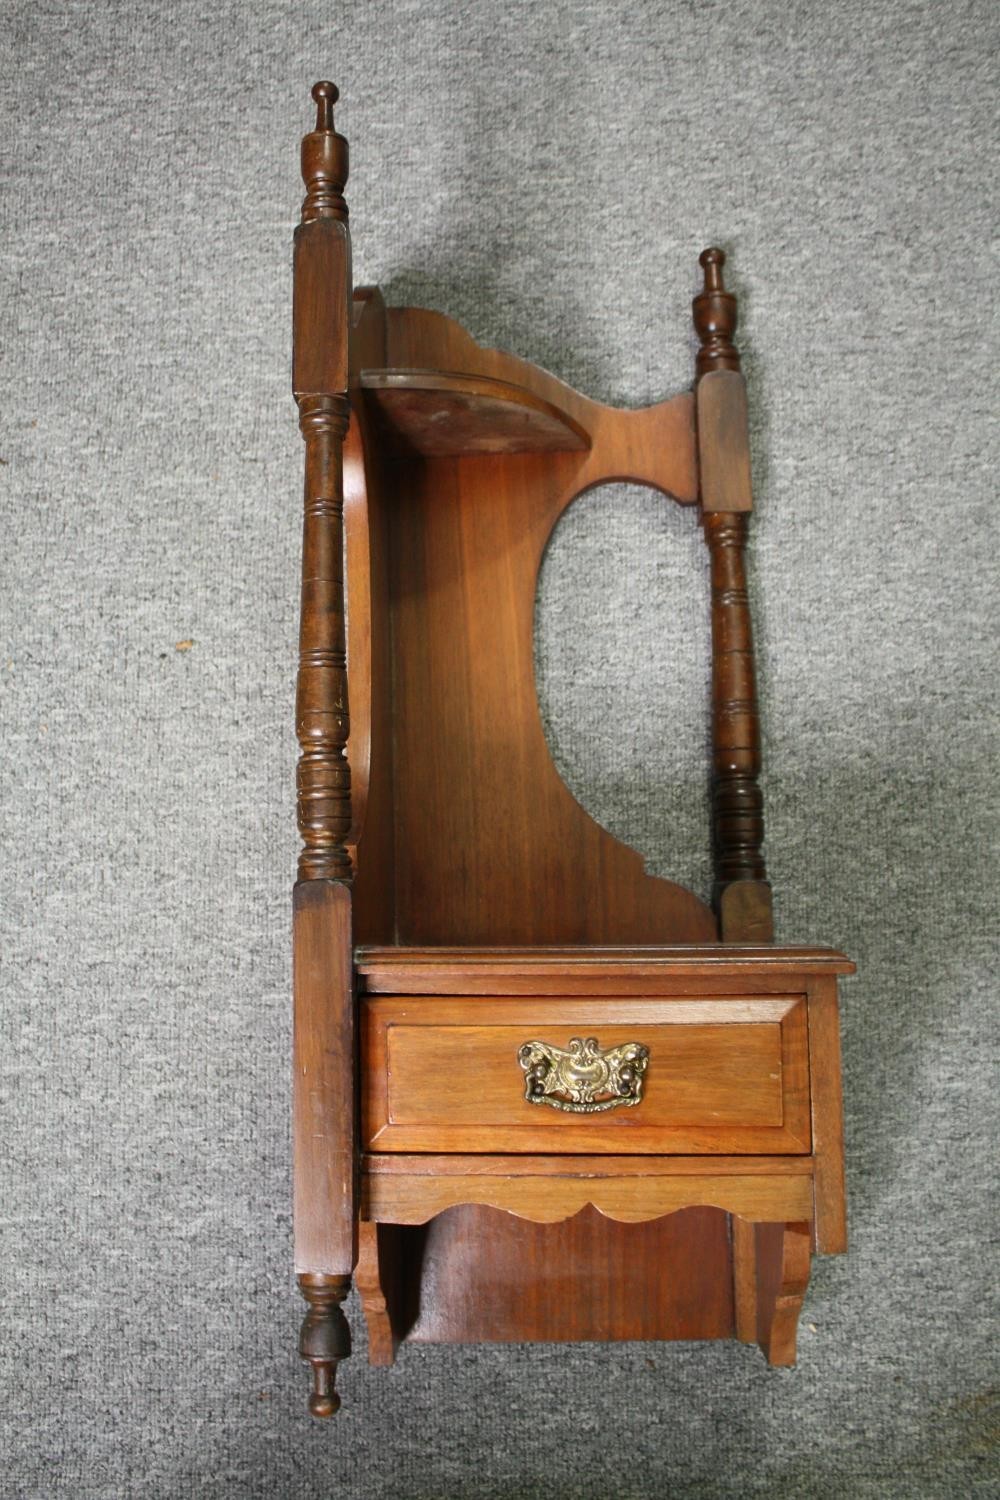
(539, 1094)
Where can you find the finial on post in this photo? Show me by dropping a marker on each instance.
(325, 160)
(712, 261)
(715, 317)
(325, 1338)
(326, 95)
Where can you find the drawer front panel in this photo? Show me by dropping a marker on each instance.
(726, 1075)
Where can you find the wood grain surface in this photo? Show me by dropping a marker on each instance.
(725, 1075)
(487, 1277)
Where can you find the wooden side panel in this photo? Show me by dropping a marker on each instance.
(827, 1118)
(369, 670)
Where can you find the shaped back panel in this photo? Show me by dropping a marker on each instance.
(487, 845)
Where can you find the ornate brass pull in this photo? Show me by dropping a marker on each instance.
(584, 1080)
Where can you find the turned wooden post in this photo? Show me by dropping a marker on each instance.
(324, 1084)
(742, 895)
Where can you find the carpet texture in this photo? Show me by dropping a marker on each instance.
(547, 174)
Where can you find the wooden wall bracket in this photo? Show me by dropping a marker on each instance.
(459, 919)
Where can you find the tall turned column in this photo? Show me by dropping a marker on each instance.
(742, 895)
(322, 718)
(324, 1110)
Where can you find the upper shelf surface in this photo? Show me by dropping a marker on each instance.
(444, 395)
(443, 414)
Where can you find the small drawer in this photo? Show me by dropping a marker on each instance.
(725, 1075)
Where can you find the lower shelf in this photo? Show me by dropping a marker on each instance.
(475, 1275)
(488, 1250)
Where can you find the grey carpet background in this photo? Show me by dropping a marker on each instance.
(548, 174)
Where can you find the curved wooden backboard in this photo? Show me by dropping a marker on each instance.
(465, 832)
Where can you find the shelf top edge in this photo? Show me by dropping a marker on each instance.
(495, 960)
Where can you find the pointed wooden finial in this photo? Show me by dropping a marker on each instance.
(325, 1338)
(324, 160)
(712, 261)
(326, 95)
(715, 317)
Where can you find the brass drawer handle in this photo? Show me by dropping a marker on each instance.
(584, 1080)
